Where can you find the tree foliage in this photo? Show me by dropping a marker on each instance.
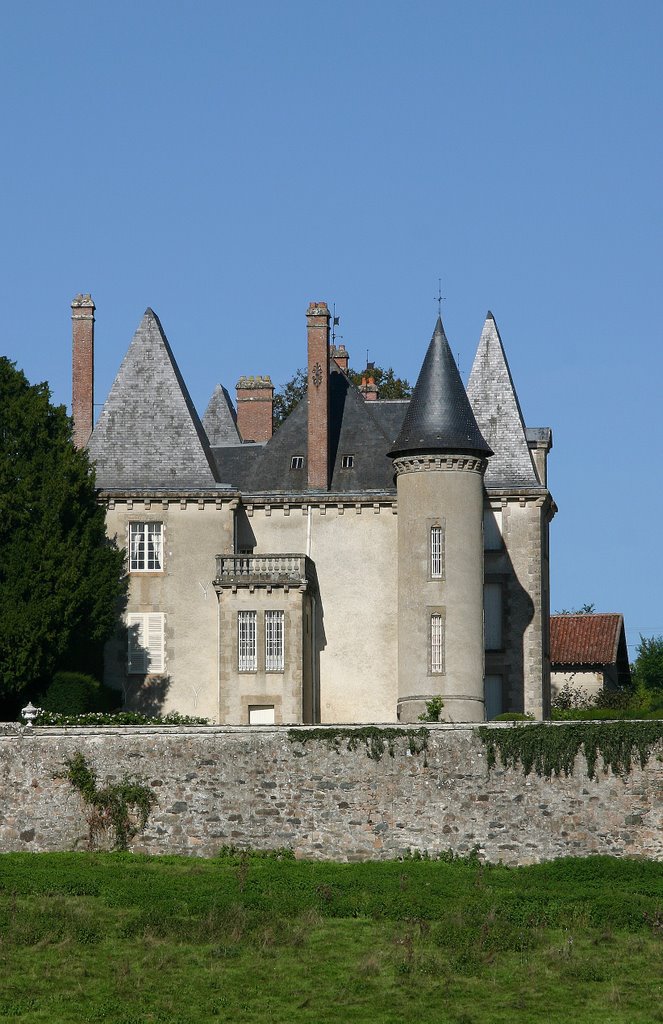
(647, 671)
(388, 384)
(291, 393)
(61, 580)
(288, 396)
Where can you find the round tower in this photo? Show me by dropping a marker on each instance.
(440, 458)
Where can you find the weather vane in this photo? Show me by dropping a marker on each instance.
(335, 323)
(439, 298)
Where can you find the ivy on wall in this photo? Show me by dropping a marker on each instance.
(552, 749)
(123, 806)
(376, 740)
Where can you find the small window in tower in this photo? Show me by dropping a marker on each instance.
(436, 644)
(297, 462)
(347, 461)
(436, 553)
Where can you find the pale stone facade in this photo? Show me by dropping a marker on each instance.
(290, 581)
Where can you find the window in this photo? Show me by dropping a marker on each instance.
(436, 553)
(145, 635)
(436, 644)
(247, 647)
(493, 696)
(492, 616)
(145, 547)
(261, 714)
(347, 461)
(492, 529)
(274, 648)
(297, 462)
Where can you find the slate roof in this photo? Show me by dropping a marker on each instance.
(220, 419)
(354, 430)
(495, 403)
(149, 435)
(586, 639)
(439, 417)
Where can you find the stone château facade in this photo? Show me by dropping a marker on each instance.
(366, 557)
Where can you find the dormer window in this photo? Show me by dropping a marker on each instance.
(297, 462)
(347, 461)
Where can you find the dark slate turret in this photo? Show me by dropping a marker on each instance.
(440, 417)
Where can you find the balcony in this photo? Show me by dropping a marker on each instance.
(263, 571)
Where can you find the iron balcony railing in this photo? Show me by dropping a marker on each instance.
(265, 570)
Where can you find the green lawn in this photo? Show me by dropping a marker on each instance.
(120, 938)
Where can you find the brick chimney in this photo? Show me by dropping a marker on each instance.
(255, 399)
(82, 377)
(317, 318)
(339, 354)
(369, 389)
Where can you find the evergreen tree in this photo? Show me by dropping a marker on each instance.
(61, 580)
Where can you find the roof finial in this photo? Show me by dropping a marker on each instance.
(439, 298)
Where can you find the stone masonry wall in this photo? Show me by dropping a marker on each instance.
(253, 787)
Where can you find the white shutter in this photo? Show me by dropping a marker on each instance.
(136, 653)
(145, 632)
(154, 641)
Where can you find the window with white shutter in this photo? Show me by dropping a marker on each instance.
(145, 643)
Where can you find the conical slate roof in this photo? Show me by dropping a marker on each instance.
(497, 410)
(439, 417)
(220, 421)
(149, 434)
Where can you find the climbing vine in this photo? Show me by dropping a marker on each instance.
(552, 749)
(376, 740)
(124, 806)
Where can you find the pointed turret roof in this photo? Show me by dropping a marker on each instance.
(220, 420)
(149, 434)
(497, 410)
(439, 417)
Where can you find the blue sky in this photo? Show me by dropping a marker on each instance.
(226, 163)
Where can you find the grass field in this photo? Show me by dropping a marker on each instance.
(126, 939)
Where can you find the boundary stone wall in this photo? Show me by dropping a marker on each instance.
(253, 787)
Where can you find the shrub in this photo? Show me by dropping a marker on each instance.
(433, 709)
(513, 716)
(73, 693)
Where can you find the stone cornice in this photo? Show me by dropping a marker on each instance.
(439, 463)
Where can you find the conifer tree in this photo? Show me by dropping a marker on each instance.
(61, 580)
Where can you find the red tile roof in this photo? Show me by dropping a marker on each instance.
(585, 639)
